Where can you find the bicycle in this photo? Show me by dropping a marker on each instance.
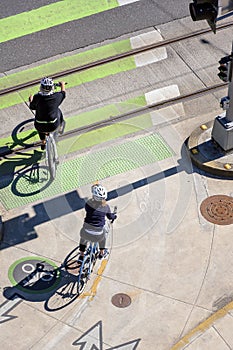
(88, 262)
(51, 154)
(74, 277)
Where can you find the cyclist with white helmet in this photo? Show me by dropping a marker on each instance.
(94, 228)
(46, 103)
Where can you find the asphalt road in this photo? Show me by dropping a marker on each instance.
(85, 31)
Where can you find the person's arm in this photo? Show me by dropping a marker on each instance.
(62, 85)
(110, 215)
(32, 104)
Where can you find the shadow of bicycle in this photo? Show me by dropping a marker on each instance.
(31, 181)
(8, 166)
(37, 280)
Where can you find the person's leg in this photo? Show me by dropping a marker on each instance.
(102, 244)
(61, 122)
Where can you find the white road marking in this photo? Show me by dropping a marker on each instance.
(167, 113)
(125, 2)
(151, 56)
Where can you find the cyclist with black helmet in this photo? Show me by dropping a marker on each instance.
(94, 228)
(46, 102)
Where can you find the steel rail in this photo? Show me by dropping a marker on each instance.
(125, 116)
(115, 58)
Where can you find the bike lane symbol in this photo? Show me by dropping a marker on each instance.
(92, 340)
(7, 306)
(34, 275)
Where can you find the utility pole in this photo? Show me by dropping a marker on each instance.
(213, 11)
(222, 131)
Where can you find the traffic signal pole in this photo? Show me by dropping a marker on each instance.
(213, 11)
(222, 132)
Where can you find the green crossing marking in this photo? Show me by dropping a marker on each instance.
(68, 62)
(72, 174)
(77, 143)
(73, 80)
(50, 15)
(84, 119)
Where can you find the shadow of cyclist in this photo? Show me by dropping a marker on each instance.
(8, 166)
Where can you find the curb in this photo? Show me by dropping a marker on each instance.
(207, 155)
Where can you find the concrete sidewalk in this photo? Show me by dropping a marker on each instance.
(168, 281)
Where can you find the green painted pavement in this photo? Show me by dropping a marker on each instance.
(61, 64)
(77, 143)
(84, 170)
(49, 16)
(73, 80)
(84, 119)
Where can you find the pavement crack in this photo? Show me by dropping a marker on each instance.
(202, 283)
(216, 330)
(154, 292)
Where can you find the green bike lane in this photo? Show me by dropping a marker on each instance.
(38, 189)
(52, 15)
(31, 184)
(77, 60)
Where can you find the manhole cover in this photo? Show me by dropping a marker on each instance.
(121, 300)
(218, 209)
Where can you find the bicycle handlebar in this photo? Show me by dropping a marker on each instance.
(58, 84)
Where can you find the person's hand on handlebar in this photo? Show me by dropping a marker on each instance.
(62, 85)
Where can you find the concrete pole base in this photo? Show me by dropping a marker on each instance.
(222, 133)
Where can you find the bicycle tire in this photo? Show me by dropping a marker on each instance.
(70, 262)
(83, 275)
(63, 296)
(51, 158)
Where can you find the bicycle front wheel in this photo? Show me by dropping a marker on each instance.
(51, 154)
(83, 275)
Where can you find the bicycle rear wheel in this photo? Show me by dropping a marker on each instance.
(70, 262)
(63, 296)
(51, 154)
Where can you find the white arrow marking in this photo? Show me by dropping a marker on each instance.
(132, 345)
(92, 339)
(8, 306)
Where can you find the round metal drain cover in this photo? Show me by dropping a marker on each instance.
(121, 300)
(218, 209)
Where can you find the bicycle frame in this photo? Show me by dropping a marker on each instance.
(51, 154)
(87, 265)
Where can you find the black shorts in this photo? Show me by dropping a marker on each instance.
(44, 128)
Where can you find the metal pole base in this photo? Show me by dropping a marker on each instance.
(222, 133)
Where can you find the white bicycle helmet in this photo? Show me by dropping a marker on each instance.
(46, 84)
(99, 192)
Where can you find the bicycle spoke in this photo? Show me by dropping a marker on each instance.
(63, 296)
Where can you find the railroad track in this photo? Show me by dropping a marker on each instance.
(124, 116)
(116, 57)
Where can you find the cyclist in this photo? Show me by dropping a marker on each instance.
(94, 228)
(46, 103)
